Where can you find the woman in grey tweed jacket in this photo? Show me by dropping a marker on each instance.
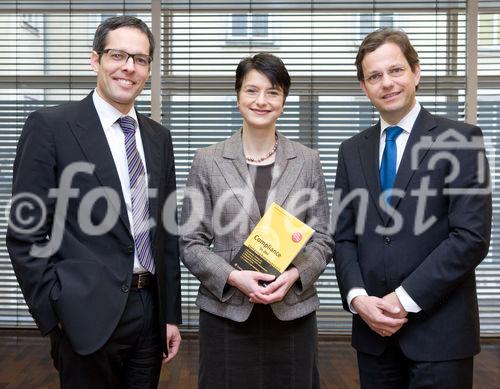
(251, 335)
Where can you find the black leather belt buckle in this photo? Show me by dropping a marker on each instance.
(141, 280)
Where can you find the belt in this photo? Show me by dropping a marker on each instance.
(141, 280)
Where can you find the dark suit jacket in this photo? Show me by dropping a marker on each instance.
(84, 285)
(435, 265)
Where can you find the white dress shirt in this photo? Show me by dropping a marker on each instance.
(406, 124)
(108, 115)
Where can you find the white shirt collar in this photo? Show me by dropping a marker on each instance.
(108, 114)
(406, 123)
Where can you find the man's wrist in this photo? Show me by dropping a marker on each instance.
(353, 293)
(406, 301)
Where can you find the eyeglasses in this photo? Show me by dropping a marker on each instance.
(271, 95)
(121, 57)
(393, 72)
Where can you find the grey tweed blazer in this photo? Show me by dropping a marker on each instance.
(220, 210)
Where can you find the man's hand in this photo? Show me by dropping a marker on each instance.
(277, 289)
(393, 300)
(248, 281)
(377, 313)
(173, 342)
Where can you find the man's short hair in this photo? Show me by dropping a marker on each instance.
(381, 36)
(117, 22)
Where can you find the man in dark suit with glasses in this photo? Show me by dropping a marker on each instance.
(98, 267)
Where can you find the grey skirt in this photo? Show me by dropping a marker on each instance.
(260, 353)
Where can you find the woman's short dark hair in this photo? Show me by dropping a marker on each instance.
(117, 22)
(381, 36)
(267, 64)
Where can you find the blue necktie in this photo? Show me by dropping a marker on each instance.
(139, 195)
(388, 165)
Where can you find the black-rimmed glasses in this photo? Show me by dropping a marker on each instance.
(120, 56)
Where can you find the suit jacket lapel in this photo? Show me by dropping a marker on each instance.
(415, 151)
(234, 168)
(90, 135)
(287, 169)
(369, 156)
(152, 155)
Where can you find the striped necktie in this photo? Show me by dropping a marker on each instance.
(138, 191)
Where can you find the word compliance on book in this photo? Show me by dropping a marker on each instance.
(274, 242)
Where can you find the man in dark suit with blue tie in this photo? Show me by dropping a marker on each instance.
(98, 267)
(412, 220)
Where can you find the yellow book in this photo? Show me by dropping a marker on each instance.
(274, 242)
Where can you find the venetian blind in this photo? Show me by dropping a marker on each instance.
(203, 41)
(488, 118)
(44, 61)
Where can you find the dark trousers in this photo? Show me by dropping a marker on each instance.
(131, 359)
(393, 370)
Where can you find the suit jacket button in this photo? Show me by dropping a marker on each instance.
(387, 240)
(125, 288)
(130, 249)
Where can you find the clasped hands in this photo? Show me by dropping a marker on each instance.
(383, 315)
(251, 283)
